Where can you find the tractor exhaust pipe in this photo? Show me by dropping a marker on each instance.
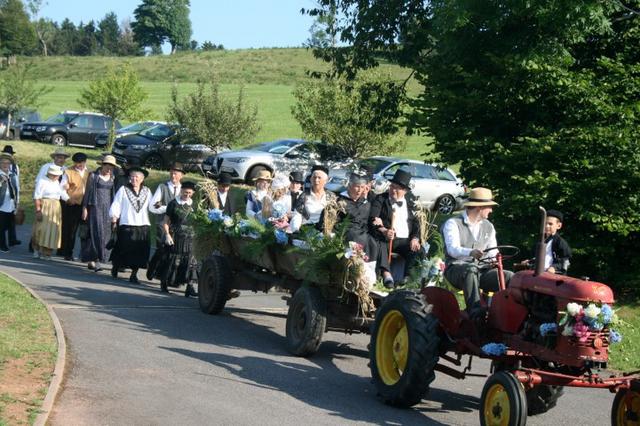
(541, 246)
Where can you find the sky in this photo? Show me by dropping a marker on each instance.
(238, 24)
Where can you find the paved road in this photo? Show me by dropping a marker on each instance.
(139, 357)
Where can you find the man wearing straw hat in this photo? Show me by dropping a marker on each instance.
(59, 156)
(467, 238)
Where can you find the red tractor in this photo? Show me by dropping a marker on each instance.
(414, 330)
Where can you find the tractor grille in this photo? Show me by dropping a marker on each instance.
(603, 335)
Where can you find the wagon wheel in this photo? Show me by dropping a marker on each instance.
(404, 349)
(503, 401)
(214, 284)
(626, 408)
(306, 321)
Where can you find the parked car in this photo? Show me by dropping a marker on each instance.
(284, 156)
(103, 138)
(68, 128)
(159, 146)
(17, 120)
(435, 187)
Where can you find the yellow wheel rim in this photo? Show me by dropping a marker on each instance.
(628, 412)
(392, 347)
(496, 406)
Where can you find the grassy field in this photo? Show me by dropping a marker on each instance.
(27, 353)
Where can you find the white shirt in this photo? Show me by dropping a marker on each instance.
(314, 206)
(452, 238)
(548, 255)
(9, 204)
(44, 169)
(223, 198)
(47, 188)
(401, 219)
(157, 196)
(123, 209)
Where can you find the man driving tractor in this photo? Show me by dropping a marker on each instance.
(467, 238)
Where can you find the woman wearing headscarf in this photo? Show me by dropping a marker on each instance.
(98, 196)
(47, 228)
(178, 264)
(129, 215)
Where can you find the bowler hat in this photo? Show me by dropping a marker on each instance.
(402, 178)
(479, 197)
(296, 177)
(188, 185)
(79, 157)
(137, 169)
(224, 179)
(320, 167)
(555, 213)
(8, 149)
(178, 167)
(59, 151)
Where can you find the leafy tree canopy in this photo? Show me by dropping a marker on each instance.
(17, 36)
(157, 21)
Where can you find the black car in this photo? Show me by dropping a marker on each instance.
(158, 147)
(103, 138)
(69, 128)
(17, 120)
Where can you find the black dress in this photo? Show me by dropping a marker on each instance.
(178, 266)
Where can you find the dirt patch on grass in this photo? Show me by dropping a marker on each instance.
(23, 386)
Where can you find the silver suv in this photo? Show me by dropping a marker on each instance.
(283, 156)
(436, 187)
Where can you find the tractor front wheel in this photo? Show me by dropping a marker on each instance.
(626, 408)
(404, 349)
(503, 401)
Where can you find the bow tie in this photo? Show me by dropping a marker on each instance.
(398, 203)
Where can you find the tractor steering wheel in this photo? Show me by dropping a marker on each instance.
(510, 251)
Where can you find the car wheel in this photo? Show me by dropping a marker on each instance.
(445, 204)
(58, 139)
(253, 173)
(154, 161)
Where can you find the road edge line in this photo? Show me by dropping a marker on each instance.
(59, 369)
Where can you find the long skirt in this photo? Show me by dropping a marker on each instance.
(175, 264)
(132, 247)
(47, 232)
(93, 246)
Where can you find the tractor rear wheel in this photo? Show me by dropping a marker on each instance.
(543, 398)
(626, 408)
(306, 321)
(214, 284)
(404, 349)
(503, 401)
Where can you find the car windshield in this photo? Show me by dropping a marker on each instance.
(276, 147)
(137, 127)
(157, 132)
(61, 118)
(375, 165)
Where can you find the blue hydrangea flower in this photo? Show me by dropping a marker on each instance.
(281, 236)
(596, 326)
(589, 321)
(614, 336)
(215, 215)
(494, 349)
(278, 211)
(607, 313)
(548, 328)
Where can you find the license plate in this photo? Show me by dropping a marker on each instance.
(117, 151)
(206, 167)
(26, 133)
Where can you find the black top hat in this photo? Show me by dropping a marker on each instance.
(137, 169)
(79, 157)
(188, 185)
(555, 213)
(320, 167)
(296, 177)
(8, 149)
(224, 178)
(402, 178)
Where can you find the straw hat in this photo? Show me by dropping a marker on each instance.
(59, 151)
(264, 175)
(108, 159)
(55, 170)
(479, 197)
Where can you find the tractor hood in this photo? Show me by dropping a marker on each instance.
(562, 287)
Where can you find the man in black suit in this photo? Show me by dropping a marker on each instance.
(225, 199)
(392, 222)
(295, 187)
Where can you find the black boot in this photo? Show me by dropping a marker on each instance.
(190, 291)
(163, 286)
(114, 271)
(134, 276)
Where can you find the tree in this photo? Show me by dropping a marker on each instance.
(322, 34)
(19, 91)
(157, 21)
(351, 114)
(127, 46)
(44, 28)
(205, 117)
(117, 95)
(66, 39)
(17, 35)
(534, 99)
(87, 39)
(109, 34)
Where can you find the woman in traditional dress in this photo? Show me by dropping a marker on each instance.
(47, 228)
(98, 197)
(276, 207)
(179, 266)
(255, 197)
(129, 214)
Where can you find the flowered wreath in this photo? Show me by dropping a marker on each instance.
(580, 322)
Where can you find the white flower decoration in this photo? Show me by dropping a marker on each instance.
(573, 309)
(592, 311)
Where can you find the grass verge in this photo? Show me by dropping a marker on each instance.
(27, 353)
